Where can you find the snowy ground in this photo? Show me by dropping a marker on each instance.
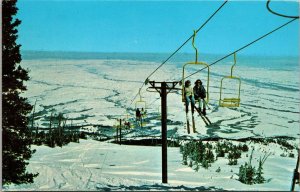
(95, 93)
(93, 165)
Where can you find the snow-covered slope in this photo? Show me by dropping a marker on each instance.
(98, 92)
(93, 94)
(93, 165)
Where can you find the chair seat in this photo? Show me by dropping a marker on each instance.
(230, 102)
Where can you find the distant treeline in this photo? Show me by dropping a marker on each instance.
(57, 134)
(57, 137)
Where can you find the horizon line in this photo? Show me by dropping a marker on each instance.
(137, 52)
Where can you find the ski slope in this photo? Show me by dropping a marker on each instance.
(95, 93)
(93, 165)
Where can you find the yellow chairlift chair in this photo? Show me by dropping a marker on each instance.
(196, 63)
(230, 101)
(141, 105)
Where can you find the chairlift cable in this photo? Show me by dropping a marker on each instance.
(187, 39)
(154, 101)
(180, 48)
(279, 14)
(252, 42)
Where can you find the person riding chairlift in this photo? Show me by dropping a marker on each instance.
(200, 94)
(127, 124)
(143, 112)
(138, 115)
(189, 96)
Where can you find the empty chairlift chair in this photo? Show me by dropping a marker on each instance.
(230, 101)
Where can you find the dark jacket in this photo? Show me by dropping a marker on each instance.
(137, 113)
(199, 92)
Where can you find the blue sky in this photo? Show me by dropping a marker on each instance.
(155, 26)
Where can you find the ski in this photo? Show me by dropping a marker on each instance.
(296, 175)
(207, 119)
(193, 120)
(204, 118)
(187, 124)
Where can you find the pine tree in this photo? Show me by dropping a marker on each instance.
(15, 134)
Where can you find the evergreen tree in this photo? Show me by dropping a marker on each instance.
(15, 132)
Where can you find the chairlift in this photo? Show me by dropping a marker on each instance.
(127, 121)
(140, 104)
(230, 101)
(195, 63)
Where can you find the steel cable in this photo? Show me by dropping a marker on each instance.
(252, 42)
(179, 48)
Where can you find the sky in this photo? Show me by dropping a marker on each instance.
(156, 26)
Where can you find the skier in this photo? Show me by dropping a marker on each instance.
(138, 114)
(139, 118)
(189, 96)
(200, 94)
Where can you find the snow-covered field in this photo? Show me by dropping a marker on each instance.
(93, 165)
(94, 93)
